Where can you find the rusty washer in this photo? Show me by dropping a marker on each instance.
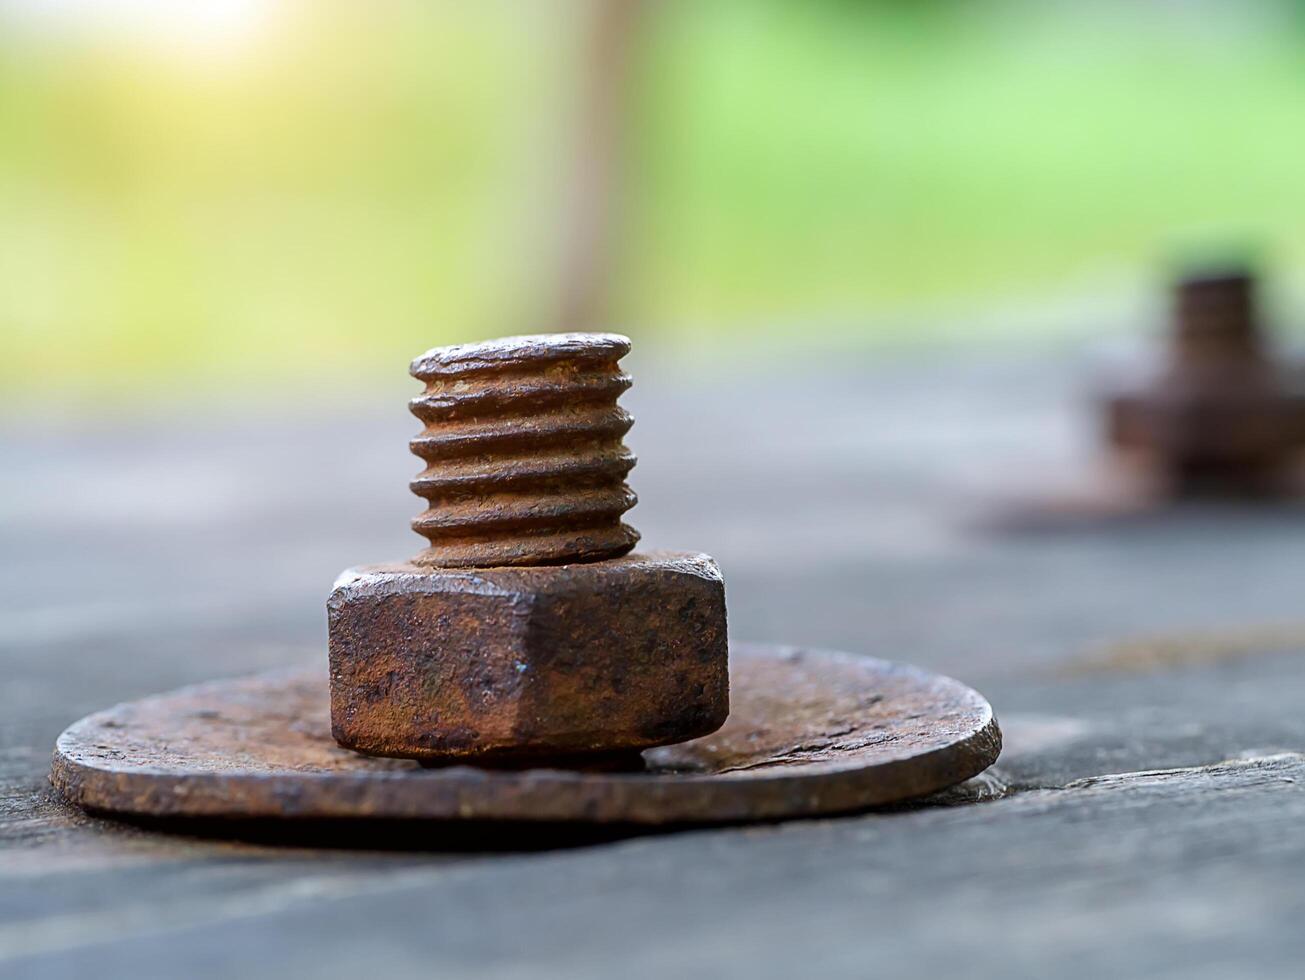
(812, 732)
(526, 632)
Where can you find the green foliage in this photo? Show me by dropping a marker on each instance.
(364, 181)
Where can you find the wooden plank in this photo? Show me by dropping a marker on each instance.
(207, 557)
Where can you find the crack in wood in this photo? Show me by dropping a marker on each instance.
(1283, 767)
(1162, 652)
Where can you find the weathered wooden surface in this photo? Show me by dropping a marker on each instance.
(1145, 819)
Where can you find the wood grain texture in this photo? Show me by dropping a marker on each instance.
(203, 558)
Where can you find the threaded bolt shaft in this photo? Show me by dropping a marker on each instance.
(1215, 319)
(522, 441)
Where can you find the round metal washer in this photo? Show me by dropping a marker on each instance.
(810, 732)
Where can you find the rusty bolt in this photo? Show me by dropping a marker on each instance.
(1219, 417)
(526, 631)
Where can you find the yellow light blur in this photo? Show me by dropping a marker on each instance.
(208, 30)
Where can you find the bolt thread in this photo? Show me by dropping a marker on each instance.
(522, 442)
(1215, 319)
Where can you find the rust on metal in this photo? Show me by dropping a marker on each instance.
(811, 732)
(1220, 417)
(516, 664)
(526, 630)
(525, 463)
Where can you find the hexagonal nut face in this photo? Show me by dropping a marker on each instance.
(526, 663)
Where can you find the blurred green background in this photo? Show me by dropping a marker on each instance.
(226, 192)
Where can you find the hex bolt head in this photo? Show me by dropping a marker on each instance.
(520, 664)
